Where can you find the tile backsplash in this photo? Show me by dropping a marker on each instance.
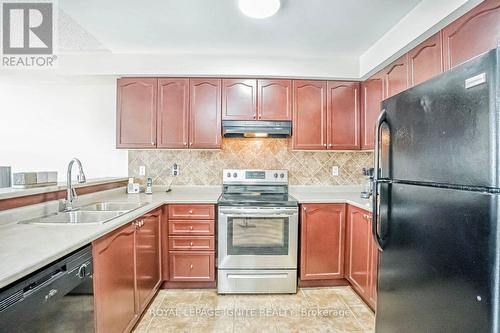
(204, 167)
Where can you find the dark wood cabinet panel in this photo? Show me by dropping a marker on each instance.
(343, 98)
(191, 227)
(173, 112)
(358, 244)
(274, 99)
(148, 258)
(322, 233)
(309, 115)
(205, 113)
(239, 99)
(372, 92)
(136, 113)
(192, 266)
(191, 212)
(191, 243)
(114, 280)
(396, 77)
(425, 61)
(472, 34)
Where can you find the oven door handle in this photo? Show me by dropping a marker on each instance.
(260, 213)
(271, 216)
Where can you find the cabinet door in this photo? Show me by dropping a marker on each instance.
(136, 113)
(322, 233)
(372, 91)
(343, 115)
(114, 280)
(275, 99)
(425, 61)
(173, 113)
(472, 34)
(396, 77)
(309, 115)
(192, 266)
(239, 99)
(358, 250)
(147, 258)
(205, 113)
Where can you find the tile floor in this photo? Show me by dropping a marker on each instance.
(335, 309)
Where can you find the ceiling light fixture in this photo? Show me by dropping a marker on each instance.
(259, 8)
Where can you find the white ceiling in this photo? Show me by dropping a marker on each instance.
(302, 28)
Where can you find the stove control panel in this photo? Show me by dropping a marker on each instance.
(255, 176)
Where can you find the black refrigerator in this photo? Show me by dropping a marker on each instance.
(436, 203)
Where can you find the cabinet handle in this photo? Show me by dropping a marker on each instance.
(185, 143)
(190, 227)
(190, 243)
(152, 143)
(191, 266)
(190, 144)
(330, 145)
(190, 211)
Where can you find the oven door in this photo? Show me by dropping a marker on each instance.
(251, 237)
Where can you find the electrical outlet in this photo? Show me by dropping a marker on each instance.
(142, 170)
(335, 171)
(175, 170)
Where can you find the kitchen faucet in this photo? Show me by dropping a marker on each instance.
(70, 190)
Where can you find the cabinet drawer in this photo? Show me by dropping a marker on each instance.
(195, 227)
(192, 266)
(191, 212)
(188, 243)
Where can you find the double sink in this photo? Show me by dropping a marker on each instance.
(96, 213)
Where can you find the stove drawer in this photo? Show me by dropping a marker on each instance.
(256, 281)
(192, 266)
(186, 227)
(188, 243)
(191, 212)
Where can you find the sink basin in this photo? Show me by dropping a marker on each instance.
(112, 206)
(76, 217)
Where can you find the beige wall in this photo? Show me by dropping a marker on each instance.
(204, 167)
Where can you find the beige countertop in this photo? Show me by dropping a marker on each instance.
(24, 248)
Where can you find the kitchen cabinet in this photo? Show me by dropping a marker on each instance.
(361, 255)
(309, 115)
(126, 273)
(136, 112)
(205, 113)
(395, 77)
(173, 113)
(192, 266)
(472, 34)
(322, 233)
(239, 99)
(425, 61)
(275, 98)
(343, 117)
(372, 93)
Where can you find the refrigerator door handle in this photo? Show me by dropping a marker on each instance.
(376, 180)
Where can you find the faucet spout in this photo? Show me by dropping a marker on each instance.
(70, 190)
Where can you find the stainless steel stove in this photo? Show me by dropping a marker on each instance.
(257, 233)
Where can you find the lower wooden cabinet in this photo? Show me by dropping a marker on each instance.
(361, 255)
(126, 273)
(192, 266)
(322, 233)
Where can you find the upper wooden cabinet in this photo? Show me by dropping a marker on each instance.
(472, 34)
(136, 113)
(239, 99)
(173, 113)
(309, 115)
(205, 113)
(322, 231)
(425, 61)
(396, 77)
(275, 98)
(343, 99)
(372, 93)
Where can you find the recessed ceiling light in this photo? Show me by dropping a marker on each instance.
(259, 8)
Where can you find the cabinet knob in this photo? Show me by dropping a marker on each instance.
(191, 266)
(185, 143)
(330, 145)
(190, 227)
(152, 143)
(324, 145)
(190, 243)
(190, 211)
(305, 208)
(190, 143)
(254, 116)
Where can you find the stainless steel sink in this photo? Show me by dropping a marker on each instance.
(112, 206)
(76, 217)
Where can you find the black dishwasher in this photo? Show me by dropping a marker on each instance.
(58, 298)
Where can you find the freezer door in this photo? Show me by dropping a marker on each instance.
(446, 129)
(438, 271)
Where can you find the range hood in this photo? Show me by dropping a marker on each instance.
(256, 129)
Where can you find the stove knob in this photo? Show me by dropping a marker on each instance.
(229, 175)
(282, 175)
(275, 175)
(235, 175)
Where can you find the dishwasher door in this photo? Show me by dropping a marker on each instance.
(58, 298)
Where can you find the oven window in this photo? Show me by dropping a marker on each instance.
(257, 236)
